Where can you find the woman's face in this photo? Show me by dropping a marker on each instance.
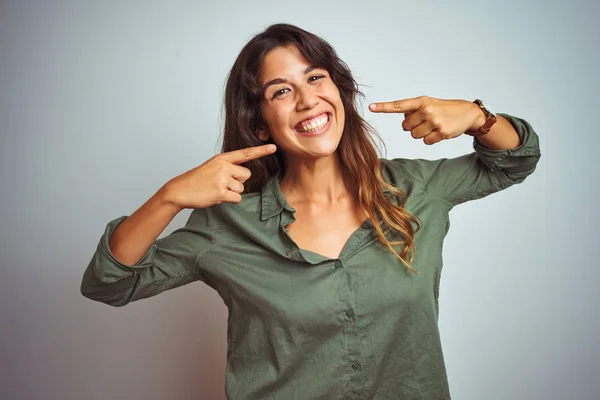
(301, 106)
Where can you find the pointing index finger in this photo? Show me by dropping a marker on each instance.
(249, 153)
(398, 106)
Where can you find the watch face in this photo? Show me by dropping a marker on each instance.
(487, 107)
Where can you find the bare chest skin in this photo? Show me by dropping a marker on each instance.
(325, 230)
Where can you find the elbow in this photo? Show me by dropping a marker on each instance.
(519, 173)
(109, 301)
(117, 294)
(103, 297)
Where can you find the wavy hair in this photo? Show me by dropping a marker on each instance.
(357, 149)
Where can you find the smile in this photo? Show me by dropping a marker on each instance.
(314, 126)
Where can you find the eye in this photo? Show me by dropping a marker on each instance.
(315, 78)
(279, 92)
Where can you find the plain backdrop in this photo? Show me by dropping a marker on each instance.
(102, 102)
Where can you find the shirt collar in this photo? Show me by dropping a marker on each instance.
(273, 201)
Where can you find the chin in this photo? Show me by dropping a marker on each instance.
(322, 152)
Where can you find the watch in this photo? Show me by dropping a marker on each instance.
(490, 119)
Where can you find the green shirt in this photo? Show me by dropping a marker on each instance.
(301, 325)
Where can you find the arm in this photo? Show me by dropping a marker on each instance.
(478, 174)
(133, 237)
(502, 135)
(130, 263)
(167, 263)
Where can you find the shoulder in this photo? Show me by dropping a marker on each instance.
(221, 216)
(397, 170)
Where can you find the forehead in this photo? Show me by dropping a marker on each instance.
(283, 62)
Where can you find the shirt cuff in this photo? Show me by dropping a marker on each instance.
(497, 159)
(107, 267)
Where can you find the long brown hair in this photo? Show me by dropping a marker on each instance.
(357, 149)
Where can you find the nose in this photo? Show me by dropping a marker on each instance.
(307, 99)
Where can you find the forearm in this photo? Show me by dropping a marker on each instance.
(502, 135)
(134, 236)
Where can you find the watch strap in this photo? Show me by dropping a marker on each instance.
(489, 121)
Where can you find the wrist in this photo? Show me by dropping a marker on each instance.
(165, 197)
(479, 118)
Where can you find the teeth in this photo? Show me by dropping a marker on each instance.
(314, 125)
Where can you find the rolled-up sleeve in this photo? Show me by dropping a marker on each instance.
(170, 262)
(479, 173)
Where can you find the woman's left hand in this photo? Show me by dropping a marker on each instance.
(433, 119)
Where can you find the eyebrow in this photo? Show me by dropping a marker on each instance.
(276, 81)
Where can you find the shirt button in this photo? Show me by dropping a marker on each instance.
(349, 314)
(365, 225)
(356, 366)
(338, 264)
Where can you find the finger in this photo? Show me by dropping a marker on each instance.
(249, 153)
(422, 130)
(412, 120)
(240, 173)
(235, 185)
(398, 106)
(433, 137)
(232, 197)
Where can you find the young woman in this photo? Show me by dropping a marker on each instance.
(327, 257)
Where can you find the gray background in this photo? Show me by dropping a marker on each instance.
(102, 102)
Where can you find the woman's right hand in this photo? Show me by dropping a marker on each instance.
(220, 179)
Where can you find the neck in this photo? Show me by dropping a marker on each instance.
(324, 181)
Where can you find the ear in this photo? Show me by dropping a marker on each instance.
(263, 133)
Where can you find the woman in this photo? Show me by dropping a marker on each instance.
(327, 257)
